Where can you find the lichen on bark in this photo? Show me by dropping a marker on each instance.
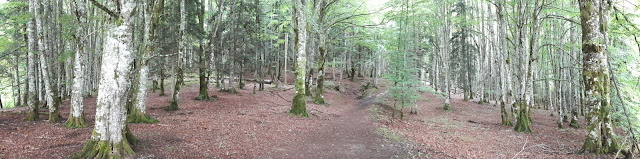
(523, 121)
(594, 15)
(506, 121)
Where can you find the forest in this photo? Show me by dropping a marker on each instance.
(319, 78)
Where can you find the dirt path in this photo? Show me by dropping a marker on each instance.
(351, 134)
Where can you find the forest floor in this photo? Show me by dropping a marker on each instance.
(472, 130)
(247, 125)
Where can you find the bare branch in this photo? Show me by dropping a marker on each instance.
(105, 9)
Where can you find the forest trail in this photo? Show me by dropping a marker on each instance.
(352, 134)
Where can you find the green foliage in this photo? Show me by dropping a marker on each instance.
(405, 85)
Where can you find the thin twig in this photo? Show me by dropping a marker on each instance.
(282, 97)
(618, 152)
(634, 144)
(523, 146)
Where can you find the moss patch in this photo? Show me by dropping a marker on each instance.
(76, 122)
(524, 120)
(138, 117)
(104, 149)
(299, 106)
(173, 106)
(388, 134)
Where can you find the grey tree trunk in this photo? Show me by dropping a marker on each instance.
(505, 74)
(43, 49)
(203, 94)
(76, 115)
(137, 113)
(16, 81)
(32, 97)
(111, 137)
(446, 48)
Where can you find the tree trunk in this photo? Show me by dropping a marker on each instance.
(162, 82)
(526, 78)
(32, 97)
(320, 10)
(45, 49)
(16, 81)
(286, 51)
(203, 93)
(594, 16)
(299, 105)
(76, 115)
(446, 47)
(179, 77)
(111, 137)
(504, 68)
(137, 113)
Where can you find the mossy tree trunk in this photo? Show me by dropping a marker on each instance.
(320, 10)
(203, 79)
(523, 121)
(137, 109)
(110, 137)
(179, 77)
(594, 15)
(299, 105)
(161, 83)
(525, 101)
(203, 93)
(319, 98)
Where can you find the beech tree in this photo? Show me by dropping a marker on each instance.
(299, 105)
(594, 18)
(32, 97)
(179, 70)
(111, 137)
(76, 115)
(137, 112)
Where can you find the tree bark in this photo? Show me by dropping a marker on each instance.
(299, 105)
(137, 113)
(76, 115)
(594, 16)
(446, 48)
(505, 84)
(322, 49)
(111, 137)
(16, 81)
(179, 77)
(32, 97)
(203, 93)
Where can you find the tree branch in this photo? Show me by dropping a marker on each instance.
(103, 8)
